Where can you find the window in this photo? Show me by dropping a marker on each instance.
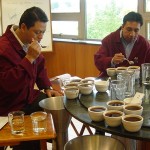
(70, 27)
(148, 30)
(65, 6)
(147, 6)
(94, 19)
(106, 16)
(66, 16)
(146, 17)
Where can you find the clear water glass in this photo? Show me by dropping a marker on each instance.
(39, 122)
(117, 89)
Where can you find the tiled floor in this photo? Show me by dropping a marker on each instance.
(71, 132)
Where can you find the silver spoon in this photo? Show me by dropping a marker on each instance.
(130, 62)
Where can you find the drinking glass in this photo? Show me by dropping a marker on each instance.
(129, 79)
(16, 121)
(39, 123)
(117, 89)
(146, 73)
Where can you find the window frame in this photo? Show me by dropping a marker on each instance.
(81, 18)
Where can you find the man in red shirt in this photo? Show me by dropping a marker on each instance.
(123, 43)
(22, 65)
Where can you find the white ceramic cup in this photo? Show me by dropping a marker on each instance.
(101, 86)
(113, 118)
(133, 109)
(121, 69)
(136, 70)
(71, 93)
(111, 71)
(115, 105)
(96, 113)
(85, 88)
(132, 122)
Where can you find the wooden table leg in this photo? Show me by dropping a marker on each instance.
(43, 144)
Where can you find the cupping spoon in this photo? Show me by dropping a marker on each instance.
(130, 62)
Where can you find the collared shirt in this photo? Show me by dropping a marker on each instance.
(12, 29)
(18, 75)
(103, 57)
(127, 46)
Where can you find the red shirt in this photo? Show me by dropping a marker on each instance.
(18, 75)
(112, 44)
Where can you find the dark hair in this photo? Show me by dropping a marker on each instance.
(31, 15)
(133, 16)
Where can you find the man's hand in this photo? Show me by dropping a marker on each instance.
(34, 51)
(53, 93)
(118, 58)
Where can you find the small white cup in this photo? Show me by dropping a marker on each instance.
(136, 70)
(85, 88)
(71, 85)
(121, 69)
(101, 86)
(133, 109)
(75, 80)
(96, 113)
(91, 81)
(111, 71)
(39, 123)
(132, 122)
(115, 105)
(113, 118)
(71, 93)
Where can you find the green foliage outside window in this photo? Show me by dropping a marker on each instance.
(104, 22)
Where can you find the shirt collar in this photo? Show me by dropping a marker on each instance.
(12, 29)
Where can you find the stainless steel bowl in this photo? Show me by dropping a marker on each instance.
(94, 142)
